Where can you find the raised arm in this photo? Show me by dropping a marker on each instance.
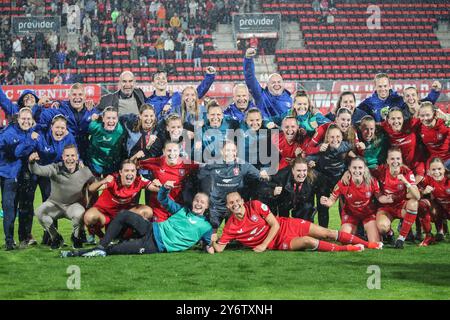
(250, 76)
(434, 93)
(43, 171)
(7, 106)
(165, 201)
(100, 185)
(207, 81)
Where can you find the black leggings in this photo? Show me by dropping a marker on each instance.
(306, 212)
(323, 211)
(143, 230)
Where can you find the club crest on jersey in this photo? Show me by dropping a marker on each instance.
(447, 190)
(440, 136)
(284, 246)
(368, 194)
(182, 172)
(236, 171)
(254, 218)
(400, 186)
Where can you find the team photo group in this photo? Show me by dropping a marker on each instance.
(139, 174)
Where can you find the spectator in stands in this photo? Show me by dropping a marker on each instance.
(153, 9)
(128, 99)
(142, 52)
(58, 79)
(139, 35)
(29, 77)
(316, 6)
(87, 24)
(52, 41)
(91, 7)
(17, 48)
(151, 52)
(193, 6)
(161, 15)
(159, 46)
(175, 21)
(71, 22)
(120, 28)
(191, 24)
(68, 77)
(13, 61)
(274, 99)
(178, 50)
(188, 47)
(129, 32)
(64, 13)
(134, 51)
(114, 15)
(197, 55)
(27, 46)
(61, 58)
(39, 42)
(169, 47)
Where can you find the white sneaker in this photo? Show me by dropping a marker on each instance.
(95, 253)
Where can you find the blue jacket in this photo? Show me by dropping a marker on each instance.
(49, 150)
(269, 104)
(373, 104)
(12, 108)
(234, 113)
(10, 138)
(175, 100)
(77, 122)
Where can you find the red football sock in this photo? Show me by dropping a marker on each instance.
(426, 223)
(408, 221)
(347, 238)
(328, 246)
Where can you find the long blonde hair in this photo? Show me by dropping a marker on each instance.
(367, 177)
(184, 107)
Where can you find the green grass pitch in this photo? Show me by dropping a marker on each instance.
(411, 273)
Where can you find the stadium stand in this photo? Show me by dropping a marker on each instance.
(405, 46)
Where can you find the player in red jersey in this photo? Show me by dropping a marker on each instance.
(253, 225)
(120, 192)
(437, 184)
(287, 141)
(399, 185)
(359, 194)
(343, 122)
(403, 134)
(169, 167)
(435, 134)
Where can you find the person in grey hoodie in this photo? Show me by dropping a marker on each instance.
(66, 197)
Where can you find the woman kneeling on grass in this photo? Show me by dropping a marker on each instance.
(358, 194)
(256, 227)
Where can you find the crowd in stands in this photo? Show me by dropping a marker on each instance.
(165, 29)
